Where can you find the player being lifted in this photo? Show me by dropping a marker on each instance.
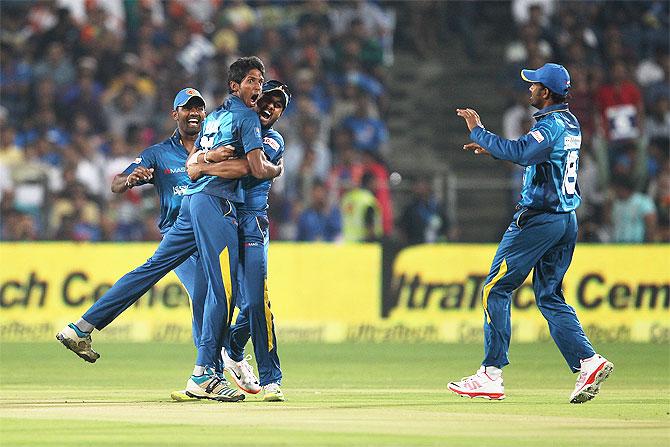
(255, 318)
(206, 223)
(542, 236)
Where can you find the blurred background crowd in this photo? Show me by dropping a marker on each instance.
(85, 85)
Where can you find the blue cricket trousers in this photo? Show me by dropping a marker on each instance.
(255, 319)
(543, 241)
(207, 224)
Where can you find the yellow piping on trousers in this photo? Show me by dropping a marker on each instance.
(487, 288)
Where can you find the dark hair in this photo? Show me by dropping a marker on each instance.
(555, 97)
(241, 67)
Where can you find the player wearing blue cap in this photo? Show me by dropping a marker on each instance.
(542, 237)
(255, 319)
(206, 223)
(163, 165)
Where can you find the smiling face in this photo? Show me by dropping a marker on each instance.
(269, 108)
(190, 116)
(249, 89)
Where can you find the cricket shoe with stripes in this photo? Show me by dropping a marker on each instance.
(78, 342)
(212, 386)
(242, 373)
(480, 385)
(594, 371)
(182, 396)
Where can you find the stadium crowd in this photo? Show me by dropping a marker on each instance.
(86, 85)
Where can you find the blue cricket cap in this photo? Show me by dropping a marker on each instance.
(185, 96)
(553, 76)
(276, 86)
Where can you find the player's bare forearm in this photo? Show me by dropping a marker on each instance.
(229, 169)
(119, 184)
(261, 167)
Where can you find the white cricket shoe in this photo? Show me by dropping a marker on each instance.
(592, 374)
(272, 393)
(80, 345)
(212, 386)
(480, 385)
(242, 373)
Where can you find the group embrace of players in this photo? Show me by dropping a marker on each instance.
(213, 177)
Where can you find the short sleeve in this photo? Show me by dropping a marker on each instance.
(250, 131)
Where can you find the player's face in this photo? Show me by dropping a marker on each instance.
(269, 108)
(537, 92)
(190, 116)
(249, 90)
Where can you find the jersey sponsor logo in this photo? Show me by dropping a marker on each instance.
(537, 135)
(179, 190)
(272, 143)
(572, 142)
(174, 170)
(138, 160)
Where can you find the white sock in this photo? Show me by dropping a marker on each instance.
(493, 372)
(590, 358)
(198, 370)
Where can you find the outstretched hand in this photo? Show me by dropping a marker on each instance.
(477, 149)
(471, 118)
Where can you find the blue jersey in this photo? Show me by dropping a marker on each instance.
(550, 153)
(256, 191)
(235, 124)
(168, 159)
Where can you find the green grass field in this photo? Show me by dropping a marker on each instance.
(337, 395)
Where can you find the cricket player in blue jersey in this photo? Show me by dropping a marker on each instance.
(541, 236)
(163, 165)
(255, 318)
(206, 223)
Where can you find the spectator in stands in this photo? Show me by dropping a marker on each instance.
(75, 216)
(319, 222)
(348, 169)
(361, 215)
(369, 134)
(424, 220)
(127, 108)
(307, 159)
(56, 66)
(373, 165)
(659, 191)
(10, 154)
(619, 103)
(633, 214)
